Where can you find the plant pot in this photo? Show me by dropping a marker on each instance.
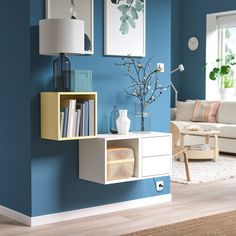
(227, 93)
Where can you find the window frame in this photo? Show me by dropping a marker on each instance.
(214, 38)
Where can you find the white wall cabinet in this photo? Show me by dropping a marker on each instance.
(152, 156)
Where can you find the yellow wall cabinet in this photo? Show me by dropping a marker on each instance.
(51, 106)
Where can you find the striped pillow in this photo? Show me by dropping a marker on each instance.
(205, 111)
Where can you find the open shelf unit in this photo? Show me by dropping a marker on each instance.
(51, 104)
(152, 156)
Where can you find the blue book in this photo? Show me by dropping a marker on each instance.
(66, 112)
(80, 106)
(91, 118)
(86, 118)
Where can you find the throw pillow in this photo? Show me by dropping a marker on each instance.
(185, 111)
(205, 111)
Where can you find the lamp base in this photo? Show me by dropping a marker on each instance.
(61, 74)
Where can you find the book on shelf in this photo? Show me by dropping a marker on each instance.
(65, 122)
(74, 124)
(71, 114)
(78, 122)
(200, 147)
(91, 118)
(77, 118)
(86, 118)
(62, 114)
(80, 106)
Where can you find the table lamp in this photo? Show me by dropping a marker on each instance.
(181, 69)
(60, 37)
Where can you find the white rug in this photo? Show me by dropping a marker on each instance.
(205, 171)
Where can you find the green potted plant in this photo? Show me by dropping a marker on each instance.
(223, 72)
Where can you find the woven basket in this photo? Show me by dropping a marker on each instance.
(120, 163)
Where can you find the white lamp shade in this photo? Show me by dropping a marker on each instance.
(61, 36)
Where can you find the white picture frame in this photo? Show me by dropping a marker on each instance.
(117, 42)
(83, 10)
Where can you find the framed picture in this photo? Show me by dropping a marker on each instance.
(81, 81)
(125, 27)
(74, 9)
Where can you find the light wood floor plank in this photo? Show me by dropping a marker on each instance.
(189, 202)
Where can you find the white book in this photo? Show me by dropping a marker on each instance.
(74, 125)
(72, 105)
(91, 118)
(62, 114)
(78, 122)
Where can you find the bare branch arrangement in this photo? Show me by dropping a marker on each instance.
(144, 84)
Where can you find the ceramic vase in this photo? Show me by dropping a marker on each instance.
(123, 122)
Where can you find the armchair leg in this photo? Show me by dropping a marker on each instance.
(187, 166)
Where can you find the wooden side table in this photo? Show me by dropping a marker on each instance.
(212, 153)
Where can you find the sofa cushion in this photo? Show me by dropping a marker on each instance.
(228, 131)
(184, 111)
(227, 113)
(205, 111)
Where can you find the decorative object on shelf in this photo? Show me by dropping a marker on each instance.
(223, 72)
(57, 37)
(123, 122)
(181, 69)
(126, 32)
(74, 9)
(113, 117)
(141, 116)
(144, 85)
(81, 81)
(120, 163)
(193, 43)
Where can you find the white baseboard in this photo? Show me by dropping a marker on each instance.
(81, 213)
(24, 219)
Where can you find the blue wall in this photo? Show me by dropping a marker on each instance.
(55, 183)
(176, 37)
(15, 159)
(193, 23)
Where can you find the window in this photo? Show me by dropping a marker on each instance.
(227, 41)
(221, 43)
(226, 50)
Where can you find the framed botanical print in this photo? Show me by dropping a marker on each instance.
(125, 27)
(74, 9)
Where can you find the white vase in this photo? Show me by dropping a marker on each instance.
(123, 122)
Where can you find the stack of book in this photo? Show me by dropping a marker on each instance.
(77, 118)
(200, 147)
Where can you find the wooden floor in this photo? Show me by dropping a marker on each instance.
(189, 201)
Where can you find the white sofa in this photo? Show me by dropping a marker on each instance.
(226, 124)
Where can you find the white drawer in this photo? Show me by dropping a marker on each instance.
(156, 146)
(157, 165)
